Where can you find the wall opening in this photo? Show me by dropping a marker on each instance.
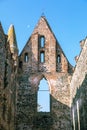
(43, 97)
(58, 59)
(58, 63)
(73, 116)
(26, 58)
(78, 115)
(42, 41)
(42, 57)
(20, 64)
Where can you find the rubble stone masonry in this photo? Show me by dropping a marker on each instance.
(21, 77)
(56, 70)
(79, 90)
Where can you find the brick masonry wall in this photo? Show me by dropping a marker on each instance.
(31, 72)
(19, 86)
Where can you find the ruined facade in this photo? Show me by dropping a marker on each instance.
(41, 73)
(78, 88)
(8, 78)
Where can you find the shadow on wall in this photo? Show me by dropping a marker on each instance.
(1, 127)
(29, 118)
(79, 107)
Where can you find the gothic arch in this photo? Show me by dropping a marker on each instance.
(43, 96)
(46, 78)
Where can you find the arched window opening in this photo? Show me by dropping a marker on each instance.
(59, 59)
(43, 97)
(42, 57)
(42, 41)
(26, 58)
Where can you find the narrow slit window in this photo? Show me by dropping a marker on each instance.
(20, 64)
(59, 59)
(26, 58)
(42, 57)
(43, 97)
(42, 41)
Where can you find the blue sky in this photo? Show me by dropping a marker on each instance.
(67, 18)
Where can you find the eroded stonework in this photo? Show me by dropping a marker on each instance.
(56, 70)
(20, 77)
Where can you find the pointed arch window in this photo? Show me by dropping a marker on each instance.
(43, 97)
(42, 41)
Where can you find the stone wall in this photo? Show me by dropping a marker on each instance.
(27, 115)
(51, 51)
(19, 85)
(8, 83)
(79, 90)
(55, 69)
(2, 67)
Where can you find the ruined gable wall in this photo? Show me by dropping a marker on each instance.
(29, 77)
